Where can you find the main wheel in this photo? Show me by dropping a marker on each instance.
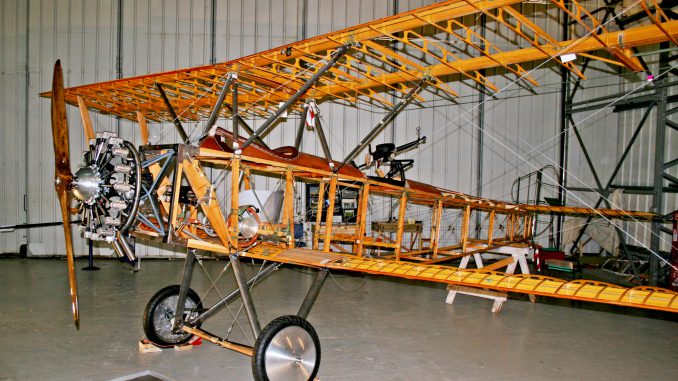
(160, 312)
(287, 349)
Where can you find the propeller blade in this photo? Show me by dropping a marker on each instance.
(64, 200)
(86, 120)
(63, 177)
(60, 128)
(143, 127)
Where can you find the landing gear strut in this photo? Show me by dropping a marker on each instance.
(286, 349)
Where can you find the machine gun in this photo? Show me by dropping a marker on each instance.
(385, 154)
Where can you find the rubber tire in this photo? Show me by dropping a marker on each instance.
(267, 335)
(154, 302)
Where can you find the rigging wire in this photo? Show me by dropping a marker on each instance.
(221, 296)
(347, 289)
(575, 177)
(528, 162)
(494, 96)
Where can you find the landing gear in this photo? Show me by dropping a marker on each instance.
(160, 313)
(287, 349)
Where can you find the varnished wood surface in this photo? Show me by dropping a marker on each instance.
(63, 178)
(370, 68)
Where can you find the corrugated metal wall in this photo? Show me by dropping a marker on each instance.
(83, 36)
(12, 122)
(521, 124)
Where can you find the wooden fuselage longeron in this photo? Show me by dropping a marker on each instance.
(352, 246)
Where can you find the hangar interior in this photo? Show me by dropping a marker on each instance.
(588, 132)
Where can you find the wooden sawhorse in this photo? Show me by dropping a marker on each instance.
(518, 256)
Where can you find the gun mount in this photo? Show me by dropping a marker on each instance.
(385, 154)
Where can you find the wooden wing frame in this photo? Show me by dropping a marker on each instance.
(517, 233)
(434, 42)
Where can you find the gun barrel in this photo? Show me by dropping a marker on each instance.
(409, 145)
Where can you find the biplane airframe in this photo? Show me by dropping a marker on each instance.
(162, 192)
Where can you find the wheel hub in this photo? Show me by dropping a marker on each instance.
(291, 355)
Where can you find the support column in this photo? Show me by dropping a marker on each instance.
(213, 32)
(220, 305)
(402, 208)
(261, 131)
(313, 292)
(481, 129)
(323, 142)
(183, 290)
(234, 101)
(235, 188)
(330, 214)
(388, 118)
(246, 182)
(464, 228)
(217, 106)
(362, 219)
(563, 136)
(246, 296)
(173, 114)
(621, 160)
(659, 155)
(300, 127)
(435, 228)
(510, 226)
(318, 215)
(288, 206)
(490, 229)
(603, 193)
(176, 187)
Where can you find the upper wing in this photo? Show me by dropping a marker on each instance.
(435, 43)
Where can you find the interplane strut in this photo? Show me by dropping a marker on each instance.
(434, 41)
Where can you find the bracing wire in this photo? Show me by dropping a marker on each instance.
(494, 96)
(528, 162)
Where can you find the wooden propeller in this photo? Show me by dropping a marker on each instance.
(63, 177)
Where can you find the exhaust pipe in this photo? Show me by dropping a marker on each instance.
(123, 248)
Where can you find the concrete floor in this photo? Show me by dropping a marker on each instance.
(382, 330)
